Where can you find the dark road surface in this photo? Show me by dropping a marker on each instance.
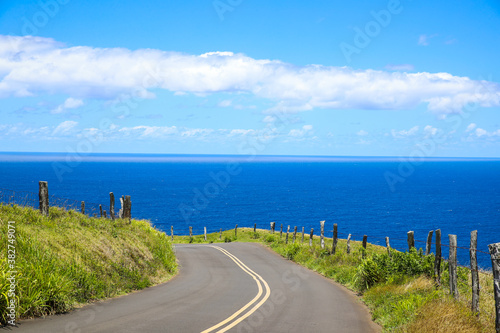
(235, 287)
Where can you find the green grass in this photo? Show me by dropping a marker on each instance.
(68, 259)
(399, 290)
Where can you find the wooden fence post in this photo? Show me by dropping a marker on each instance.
(311, 237)
(410, 240)
(127, 207)
(104, 214)
(100, 210)
(112, 205)
(437, 260)
(172, 233)
(273, 224)
(83, 207)
(334, 240)
(365, 238)
(205, 233)
(190, 232)
(429, 243)
(388, 246)
(495, 264)
(348, 250)
(322, 236)
(452, 266)
(281, 230)
(236, 231)
(294, 233)
(254, 228)
(302, 234)
(43, 198)
(474, 272)
(286, 238)
(220, 236)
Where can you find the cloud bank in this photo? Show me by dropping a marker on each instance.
(31, 66)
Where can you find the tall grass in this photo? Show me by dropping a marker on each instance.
(68, 258)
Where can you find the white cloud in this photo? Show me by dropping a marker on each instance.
(362, 133)
(481, 132)
(36, 65)
(484, 133)
(225, 103)
(430, 131)
(424, 39)
(306, 130)
(70, 103)
(404, 133)
(64, 128)
(471, 127)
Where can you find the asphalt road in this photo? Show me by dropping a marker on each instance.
(235, 287)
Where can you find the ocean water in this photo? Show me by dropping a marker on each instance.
(454, 195)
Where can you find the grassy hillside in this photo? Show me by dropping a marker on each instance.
(399, 290)
(68, 259)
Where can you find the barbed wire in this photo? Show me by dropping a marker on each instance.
(31, 199)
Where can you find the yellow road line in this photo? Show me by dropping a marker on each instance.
(258, 279)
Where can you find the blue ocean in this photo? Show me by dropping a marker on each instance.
(364, 195)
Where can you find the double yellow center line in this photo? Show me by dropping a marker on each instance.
(240, 315)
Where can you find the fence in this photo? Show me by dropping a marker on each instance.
(494, 254)
(43, 200)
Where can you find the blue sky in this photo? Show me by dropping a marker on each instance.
(363, 78)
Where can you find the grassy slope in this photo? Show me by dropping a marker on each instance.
(399, 292)
(68, 259)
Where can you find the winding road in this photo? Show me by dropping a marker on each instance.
(234, 287)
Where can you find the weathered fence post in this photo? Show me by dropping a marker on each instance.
(254, 228)
(452, 266)
(294, 233)
(410, 240)
(190, 232)
(302, 234)
(429, 243)
(112, 205)
(388, 246)
(286, 237)
(83, 207)
(100, 210)
(348, 249)
(43, 198)
(437, 260)
(172, 233)
(205, 233)
(322, 236)
(334, 240)
(104, 214)
(236, 231)
(311, 237)
(273, 224)
(365, 238)
(281, 230)
(474, 272)
(127, 208)
(220, 236)
(495, 264)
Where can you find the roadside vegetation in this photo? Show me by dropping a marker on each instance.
(399, 289)
(68, 259)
